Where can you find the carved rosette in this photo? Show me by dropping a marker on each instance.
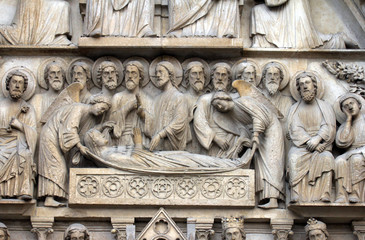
(186, 188)
(113, 187)
(88, 186)
(211, 188)
(236, 188)
(162, 188)
(138, 187)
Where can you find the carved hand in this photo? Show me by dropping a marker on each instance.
(15, 123)
(109, 124)
(321, 147)
(348, 115)
(221, 142)
(155, 141)
(83, 149)
(313, 143)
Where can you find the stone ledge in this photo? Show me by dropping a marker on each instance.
(100, 187)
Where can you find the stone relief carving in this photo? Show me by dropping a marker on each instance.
(233, 229)
(4, 232)
(312, 129)
(18, 136)
(124, 18)
(61, 139)
(77, 231)
(247, 70)
(39, 22)
(288, 24)
(51, 77)
(316, 230)
(204, 18)
(349, 167)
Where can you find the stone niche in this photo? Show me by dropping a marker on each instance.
(183, 119)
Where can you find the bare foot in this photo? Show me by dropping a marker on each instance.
(50, 202)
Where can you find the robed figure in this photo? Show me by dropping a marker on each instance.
(39, 22)
(125, 18)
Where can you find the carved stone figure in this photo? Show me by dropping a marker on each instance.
(54, 80)
(350, 168)
(167, 122)
(204, 18)
(81, 73)
(248, 71)
(39, 22)
(233, 229)
(288, 24)
(4, 233)
(125, 104)
(76, 231)
(196, 79)
(273, 81)
(316, 230)
(124, 18)
(62, 133)
(107, 76)
(312, 128)
(18, 138)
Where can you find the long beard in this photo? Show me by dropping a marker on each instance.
(308, 96)
(111, 85)
(15, 95)
(272, 88)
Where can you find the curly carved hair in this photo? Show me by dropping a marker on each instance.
(99, 98)
(311, 76)
(46, 71)
(16, 73)
(101, 68)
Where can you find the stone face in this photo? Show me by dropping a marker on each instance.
(190, 105)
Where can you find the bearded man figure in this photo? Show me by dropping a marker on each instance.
(312, 128)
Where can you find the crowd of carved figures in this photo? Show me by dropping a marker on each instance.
(278, 24)
(197, 116)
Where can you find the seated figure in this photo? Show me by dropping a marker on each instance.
(350, 166)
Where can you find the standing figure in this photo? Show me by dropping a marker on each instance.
(81, 73)
(195, 77)
(167, 125)
(18, 138)
(204, 18)
(62, 133)
(316, 230)
(124, 18)
(54, 80)
(76, 231)
(39, 22)
(125, 104)
(312, 129)
(350, 167)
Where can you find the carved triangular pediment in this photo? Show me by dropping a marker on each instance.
(161, 227)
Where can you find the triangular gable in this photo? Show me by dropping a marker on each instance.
(161, 227)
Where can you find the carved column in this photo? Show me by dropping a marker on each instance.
(123, 228)
(359, 229)
(191, 228)
(42, 226)
(281, 228)
(204, 228)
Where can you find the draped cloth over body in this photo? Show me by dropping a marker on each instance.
(62, 132)
(17, 148)
(204, 18)
(39, 22)
(170, 113)
(288, 26)
(269, 159)
(311, 172)
(350, 166)
(127, 18)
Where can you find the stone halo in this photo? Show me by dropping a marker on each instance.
(145, 64)
(29, 92)
(88, 61)
(341, 116)
(286, 74)
(293, 88)
(246, 61)
(206, 70)
(116, 61)
(173, 61)
(41, 81)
